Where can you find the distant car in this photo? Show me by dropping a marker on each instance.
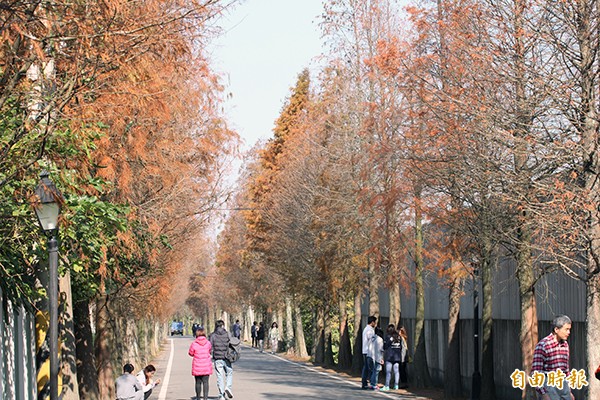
(176, 328)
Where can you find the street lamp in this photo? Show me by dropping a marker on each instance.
(47, 209)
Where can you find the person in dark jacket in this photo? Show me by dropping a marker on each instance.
(393, 349)
(219, 340)
(236, 329)
(253, 333)
(260, 336)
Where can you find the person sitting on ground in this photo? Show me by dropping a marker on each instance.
(127, 386)
(145, 379)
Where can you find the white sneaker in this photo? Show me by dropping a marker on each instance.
(228, 393)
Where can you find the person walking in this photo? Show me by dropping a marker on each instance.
(236, 329)
(253, 334)
(260, 336)
(127, 386)
(220, 340)
(145, 379)
(392, 356)
(274, 337)
(404, 362)
(202, 368)
(552, 354)
(367, 335)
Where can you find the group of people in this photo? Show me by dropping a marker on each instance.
(391, 352)
(257, 333)
(551, 354)
(135, 387)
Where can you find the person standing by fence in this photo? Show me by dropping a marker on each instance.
(392, 356)
(552, 354)
(368, 364)
(404, 362)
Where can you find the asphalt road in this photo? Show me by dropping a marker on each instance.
(257, 376)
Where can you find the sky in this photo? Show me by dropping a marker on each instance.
(265, 45)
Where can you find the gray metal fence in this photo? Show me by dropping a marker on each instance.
(17, 349)
(556, 293)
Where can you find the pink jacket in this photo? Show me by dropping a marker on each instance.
(200, 350)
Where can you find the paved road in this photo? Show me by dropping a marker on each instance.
(256, 376)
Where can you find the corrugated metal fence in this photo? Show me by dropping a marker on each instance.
(17, 349)
(556, 294)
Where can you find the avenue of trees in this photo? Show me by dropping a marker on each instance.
(436, 137)
(118, 101)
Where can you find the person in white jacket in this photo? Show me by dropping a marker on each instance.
(375, 351)
(368, 367)
(144, 377)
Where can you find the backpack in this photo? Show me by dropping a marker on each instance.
(233, 351)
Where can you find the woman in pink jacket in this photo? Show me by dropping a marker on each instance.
(200, 349)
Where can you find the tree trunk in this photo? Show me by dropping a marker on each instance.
(586, 61)
(87, 376)
(395, 306)
(593, 330)
(300, 342)
(345, 353)
(211, 320)
(70, 387)
(529, 324)
(280, 320)
(488, 387)
(106, 375)
(528, 335)
(318, 351)
(421, 370)
(328, 360)
(357, 357)
(452, 379)
(373, 290)
(289, 327)
(249, 320)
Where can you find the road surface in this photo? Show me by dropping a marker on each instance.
(258, 376)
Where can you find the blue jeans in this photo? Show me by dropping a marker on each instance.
(389, 368)
(367, 371)
(558, 394)
(375, 374)
(224, 371)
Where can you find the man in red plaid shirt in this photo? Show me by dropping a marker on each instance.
(552, 354)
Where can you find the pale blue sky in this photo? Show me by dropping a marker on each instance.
(265, 45)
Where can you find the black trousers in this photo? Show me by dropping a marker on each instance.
(403, 373)
(201, 386)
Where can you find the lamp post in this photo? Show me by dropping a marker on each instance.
(47, 210)
(476, 379)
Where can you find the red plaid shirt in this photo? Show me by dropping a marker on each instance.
(550, 355)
